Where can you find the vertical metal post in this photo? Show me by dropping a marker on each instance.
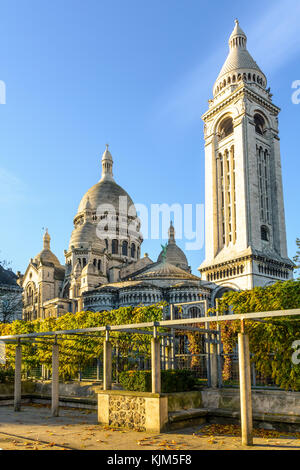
(214, 362)
(18, 377)
(155, 363)
(172, 339)
(219, 351)
(55, 379)
(245, 389)
(107, 363)
(98, 368)
(167, 353)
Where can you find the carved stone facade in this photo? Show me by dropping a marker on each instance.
(245, 223)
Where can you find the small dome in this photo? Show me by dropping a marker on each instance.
(85, 235)
(165, 270)
(173, 254)
(239, 60)
(46, 255)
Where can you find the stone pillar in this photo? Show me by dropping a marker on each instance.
(245, 389)
(214, 362)
(155, 365)
(18, 383)
(167, 354)
(172, 339)
(55, 380)
(107, 365)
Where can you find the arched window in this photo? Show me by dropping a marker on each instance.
(83, 262)
(132, 250)
(99, 265)
(194, 312)
(114, 247)
(264, 233)
(225, 128)
(125, 248)
(259, 123)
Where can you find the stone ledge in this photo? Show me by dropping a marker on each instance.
(131, 394)
(187, 414)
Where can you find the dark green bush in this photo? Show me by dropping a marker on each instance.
(6, 374)
(171, 380)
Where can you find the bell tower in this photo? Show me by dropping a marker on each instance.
(244, 210)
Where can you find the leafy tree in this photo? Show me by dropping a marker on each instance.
(78, 351)
(271, 340)
(296, 258)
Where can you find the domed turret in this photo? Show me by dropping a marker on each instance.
(85, 235)
(46, 255)
(173, 254)
(239, 64)
(106, 191)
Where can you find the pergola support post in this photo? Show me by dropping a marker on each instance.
(245, 389)
(155, 365)
(172, 338)
(167, 354)
(214, 362)
(55, 380)
(107, 363)
(18, 377)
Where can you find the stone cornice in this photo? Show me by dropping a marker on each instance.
(263, 259)
(240, 91)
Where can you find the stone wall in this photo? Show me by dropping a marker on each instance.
(127, 411)
(134, 410)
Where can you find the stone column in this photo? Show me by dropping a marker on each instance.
(172, 339)
(245, 389)
(18, 383)
(155, 365)
(167, 354)
(107, 365)
(55, 380)
(214, 362)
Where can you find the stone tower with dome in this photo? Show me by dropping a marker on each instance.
(103, 265)
(244, 210)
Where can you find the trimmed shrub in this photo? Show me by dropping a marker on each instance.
(171, 380)
(6, 374)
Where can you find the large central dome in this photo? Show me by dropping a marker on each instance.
(107, 191)
(104, 192)
(106, 221)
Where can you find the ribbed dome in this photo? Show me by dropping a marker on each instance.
(46, 255)
(173, 254)
(239, 60)
(105, 192)
(166, 270)
(85, 235)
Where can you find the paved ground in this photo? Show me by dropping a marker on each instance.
(34, 429)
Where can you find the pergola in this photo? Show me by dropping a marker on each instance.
(185, 324)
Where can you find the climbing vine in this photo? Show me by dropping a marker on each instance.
(78, 351)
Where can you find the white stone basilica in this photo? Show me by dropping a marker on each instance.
(244, 221)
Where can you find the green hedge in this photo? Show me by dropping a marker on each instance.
(171, 380)
(7, 374)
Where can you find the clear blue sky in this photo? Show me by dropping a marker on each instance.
(136, 74)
